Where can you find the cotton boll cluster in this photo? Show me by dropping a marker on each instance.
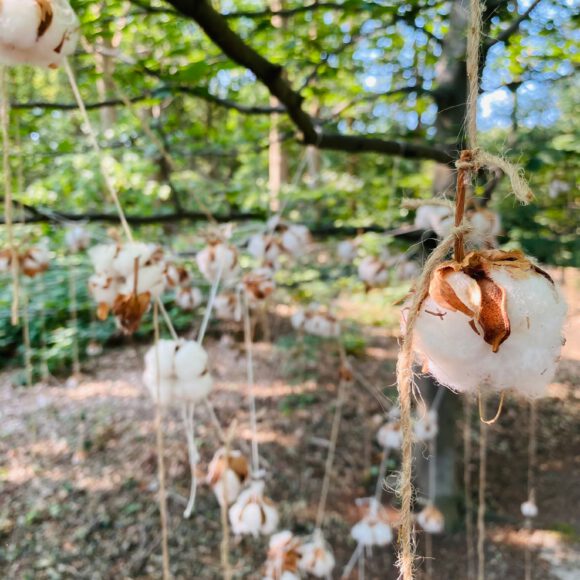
(494, 321)
(218, 259)
(347, 251)
(259, 284)
(35, 261)
(226, 475)
(253, 513)
(280, 239)
(126, 278)
(389, 435)
(37, 32)
(316, 557)
(431, 520)
(283, 557)
(316, 321)
(77, 239)
(374, 528)
(176, 372)
(228, 307)
(373, 272)
(529, 509)
(426, 426)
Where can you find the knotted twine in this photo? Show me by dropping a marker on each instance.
(472, 160)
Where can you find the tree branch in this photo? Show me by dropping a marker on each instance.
(511, 29)
(216, 28)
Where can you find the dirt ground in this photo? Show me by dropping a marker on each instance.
(78, 467)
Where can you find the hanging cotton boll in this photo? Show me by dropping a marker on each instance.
(431, 520)
(374, 528)
(283, 557)
(426, 426)
(35, 261)
(298, 319)
(252, 513)
(295, 239)
(347, 251)
(407, 270)
(429, 217)
(216, 257)
(136, 255)
(102, 257)
(226, 475)
(228, 307)
(37, 32)
(259, 283)
(316, 557)
(321, 324)
(389, 435)
(529, 509)
(176, 276)
(104, 289)
(485, 227)
(266, 248)
(373, 272)
(494, 321)
(557, 186)
(147, 279)
(188, 299)
(77, 239)
(94, 349)
(182, 373)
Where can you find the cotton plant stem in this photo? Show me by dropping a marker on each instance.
(357, 554)
(44, 372)
(225, 543)
(432, 471)
(26, 334)
(467, 453)
(483, 427)
(251, 386)
(188, 414)
(8, 200)
(72, 280)
(161, 455)
(429, 556)
(210, 304)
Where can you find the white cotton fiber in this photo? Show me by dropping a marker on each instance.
(218, 257)
(373, 272)
(431, 520)
(149, 279)
(460, 359)
(102, 257)
(188, 298)
(317, 557)
(252, 513)
(429, 217)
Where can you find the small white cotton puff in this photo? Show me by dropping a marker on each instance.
(149, 279)
(431, 520)
(407, 270)
(460, 359)
(373, 529)
(41, 33)
(389, 435)
(188, 299)
(317, 557)
(426, 426)
(183, 374)
(216, 257)
(35, 260)
(282, 553)
(266, 248)
(228, 306)
(347, 251)
(226, 477)
(103, 288)
(373, 272)
(136, 254)
(102, 257)
(317, 322)
(529, 509)
(295, 240)
(252, 513)
(486, 226)
(77, 239)
(259, 283)
(429, 217)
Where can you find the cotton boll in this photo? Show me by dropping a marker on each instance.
(176, 276)
(347, 251)
(104, 289)
(321, 324)
(216, 257)
(283, 555)
(429, 217)
(77, 239)
(486, 226)
(35, 261)
(431, 520)
(188, 298)
(5, 261)
(94, 349)
(457, 330)
(135, 254)
(150, 279)
(266, 248)
(102, 257)
(37, 32)
(182, 373)
(226, 474)
(316, 557)
(259, 283)
(252, 513)
(295, 240)
(407, 270)
(298, 319)
(529, 509)
(389, 435)
(373, 272)
(426, 427)
(374, 528)
(228, 307)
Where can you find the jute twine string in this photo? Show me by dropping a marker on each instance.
(470, 162)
